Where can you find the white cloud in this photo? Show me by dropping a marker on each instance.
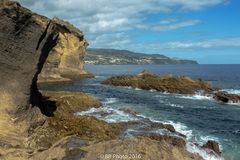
(102, 13)
(212, 43)
(116, 40)
(122, 42)
(173, 26)
(193, 4)
(106, 23)
(167, 21)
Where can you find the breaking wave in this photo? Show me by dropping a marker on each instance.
(111, 115)
(232, 91)
(197, 96)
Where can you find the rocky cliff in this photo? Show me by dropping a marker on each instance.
(27, 42)
(65, 60)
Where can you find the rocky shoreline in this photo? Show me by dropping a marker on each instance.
(41, 124)
(87, 135)
(147, 80)
(65, 136)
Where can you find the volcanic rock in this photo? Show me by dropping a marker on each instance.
(212, 145)
(225, 97)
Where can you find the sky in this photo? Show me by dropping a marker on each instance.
(204, 30)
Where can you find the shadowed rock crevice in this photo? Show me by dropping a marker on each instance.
(36, 99)
(43, 35)
(27, 41)
(21, 32)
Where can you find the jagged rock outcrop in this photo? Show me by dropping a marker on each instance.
(225, 97)
(213, 146)
(65, 60)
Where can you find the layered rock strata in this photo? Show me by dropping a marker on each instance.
(27, 39)
(65, 60)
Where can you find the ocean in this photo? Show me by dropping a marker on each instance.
(199, 117)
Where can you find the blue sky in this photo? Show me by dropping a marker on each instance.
(207, 31)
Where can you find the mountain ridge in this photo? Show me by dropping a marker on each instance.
(115, 56)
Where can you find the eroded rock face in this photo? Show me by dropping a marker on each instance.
(26, 40)
(65, 61)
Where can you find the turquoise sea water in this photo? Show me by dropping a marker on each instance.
(199, 117)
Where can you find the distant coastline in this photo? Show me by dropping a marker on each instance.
(98, 56)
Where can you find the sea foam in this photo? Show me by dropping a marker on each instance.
(197, 96)
(232, 91)
(110, 100)
(175, 105)
(190, 146)
(109, 115)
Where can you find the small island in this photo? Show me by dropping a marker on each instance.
(147, 80)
